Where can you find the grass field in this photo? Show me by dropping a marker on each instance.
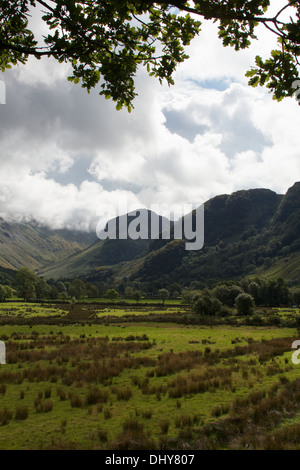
(83, 384)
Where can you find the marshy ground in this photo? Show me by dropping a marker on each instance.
(113, 377)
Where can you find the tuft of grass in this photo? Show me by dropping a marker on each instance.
(76, 401)
(102, 435)
(107, 413)
(5, 416)
(95, 396)
(21, 413)
(164, 425)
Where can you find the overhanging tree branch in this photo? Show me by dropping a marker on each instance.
(107, 39)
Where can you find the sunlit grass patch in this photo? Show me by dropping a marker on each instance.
(77, 385)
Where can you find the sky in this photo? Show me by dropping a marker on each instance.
(68, 159)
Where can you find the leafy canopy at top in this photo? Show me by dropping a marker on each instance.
(106, 40)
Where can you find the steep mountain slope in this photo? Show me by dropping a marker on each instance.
(107, 252)
(7, 276)
(286, 221)
(30, 245)
(233, 229)
(232, 217)
(101, 253)
(247, 232)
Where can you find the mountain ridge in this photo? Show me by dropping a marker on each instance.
(247, 232)
(34, 246)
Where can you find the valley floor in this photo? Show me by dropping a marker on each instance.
(76, 380)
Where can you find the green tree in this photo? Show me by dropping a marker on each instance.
(91, 290)
(73, 303)
(206, 304)
(254, 291)
(77, 289)
(106, 41)
(244, 304)
(27, 281)
(9, 292)
(42, 289)
(187, 296)
(282, 291)
(222, 293)
(63, 295)
(174, 289)
(61, 287)
(67, 286)
(227, 294)
(163, 294)
(176, 294)
(274, 292)
(6, 292)
(2, 293)
(137, 296)
(129, 291)
(295, 297)
(54, 293)
(62, 290)
(111, 294)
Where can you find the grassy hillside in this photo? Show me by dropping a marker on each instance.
(288, 268)
(106, 252)
(101, 253)
(247, 232)
(34, 246)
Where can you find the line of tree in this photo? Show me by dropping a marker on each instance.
(29, 286)
(244, 296)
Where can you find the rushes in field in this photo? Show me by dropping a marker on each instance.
(21, 413)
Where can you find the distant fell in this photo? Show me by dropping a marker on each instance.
(248, 232)
(28, 244)
(108, 252)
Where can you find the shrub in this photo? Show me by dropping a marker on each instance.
(207, 305)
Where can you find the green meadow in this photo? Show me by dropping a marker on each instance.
(83, 382)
